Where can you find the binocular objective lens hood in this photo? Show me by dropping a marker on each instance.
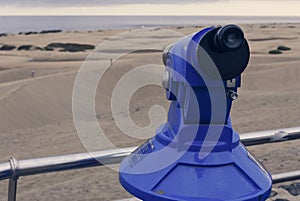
(227, 48)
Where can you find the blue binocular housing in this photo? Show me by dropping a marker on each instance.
(196, 155)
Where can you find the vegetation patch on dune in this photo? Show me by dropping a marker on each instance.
(7, 47)
(275, 52)
(62, 47)
(29, 48)
(283, 48)
(51, 31)
(279, 50)
(42, 32)
(30, 33)
(48, 48)
(70, 47)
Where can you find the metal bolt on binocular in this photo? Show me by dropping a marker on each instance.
(196, 154)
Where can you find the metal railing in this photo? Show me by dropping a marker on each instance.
(13, 169)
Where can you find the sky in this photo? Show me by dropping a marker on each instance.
(151, 7)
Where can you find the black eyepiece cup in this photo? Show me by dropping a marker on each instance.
(229, 38)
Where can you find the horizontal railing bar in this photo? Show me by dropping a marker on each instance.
(85, 160)
(287, 176)
(270, 136)
(66, 162)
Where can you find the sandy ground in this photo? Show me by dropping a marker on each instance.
(36, 113)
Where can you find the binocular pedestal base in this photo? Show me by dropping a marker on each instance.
(160, 171)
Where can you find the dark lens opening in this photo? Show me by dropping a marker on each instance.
(229, 38)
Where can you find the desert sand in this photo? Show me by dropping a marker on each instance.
(36, 112)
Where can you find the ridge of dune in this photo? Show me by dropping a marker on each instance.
(5, 84)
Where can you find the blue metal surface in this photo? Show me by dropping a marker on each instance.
(196, 155)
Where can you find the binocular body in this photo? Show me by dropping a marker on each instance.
(196, 154)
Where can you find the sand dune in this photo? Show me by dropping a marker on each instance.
(36, 113)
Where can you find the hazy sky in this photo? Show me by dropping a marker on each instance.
(151, 7)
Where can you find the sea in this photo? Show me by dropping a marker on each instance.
(16, 24)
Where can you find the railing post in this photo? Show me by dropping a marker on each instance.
(12, 184)
(12, 189)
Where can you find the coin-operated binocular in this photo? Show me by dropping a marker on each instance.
(196, 155)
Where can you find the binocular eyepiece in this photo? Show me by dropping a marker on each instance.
(229, 38)
(226, 47)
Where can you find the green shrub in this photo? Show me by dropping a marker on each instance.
(275, 52)
(7, 48)
(283, 48)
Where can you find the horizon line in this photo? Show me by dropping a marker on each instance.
(73, 15)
